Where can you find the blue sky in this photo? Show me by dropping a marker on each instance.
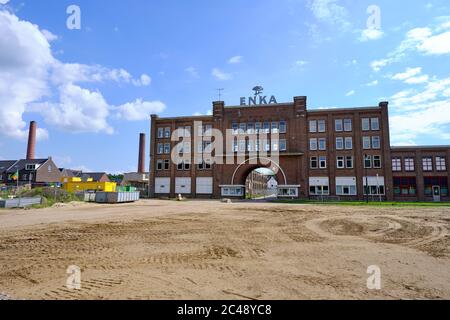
(91, 90)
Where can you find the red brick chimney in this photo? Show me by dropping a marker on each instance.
(31, 149)
(141, 163)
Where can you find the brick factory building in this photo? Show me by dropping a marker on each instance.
(332, 153)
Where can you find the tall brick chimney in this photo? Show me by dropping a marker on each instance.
(31, 148)
(141, 162)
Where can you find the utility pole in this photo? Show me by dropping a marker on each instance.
(366, 188)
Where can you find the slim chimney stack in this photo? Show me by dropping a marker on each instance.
(141, 163)
(31, 148)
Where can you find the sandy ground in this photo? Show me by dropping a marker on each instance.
(211, 250)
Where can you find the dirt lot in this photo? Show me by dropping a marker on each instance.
(211, 250)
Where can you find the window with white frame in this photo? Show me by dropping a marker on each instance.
(321, 126)
(166, 164)
(250, 128)
(376, 142)
(375, 124)
(441, 164)
(266, 127)
(160, 133)
(338, 125)
(275, 145)
(373, 186)
(313, 126)
(159, 165)
(258, 127)
(365, 124)
(339, 143)
(313, 144)
(349, 162)
(427, 163)
(235, 128)
(275, 128)
(346, 186)
(366, 143)
(340, 163)
(396, 164)
(322, 144)
(283, 127)
(242, 128)
(322, 162)
(348, 143)
(160, 148)
(283, 145)
(348, 125)
(377, 162)
(287, 192)
(167, 132)
(367, 162)
(232, 191)
(319, 186)
(167, 148)
(410, 165)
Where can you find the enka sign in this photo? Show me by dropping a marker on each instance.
(258, 98)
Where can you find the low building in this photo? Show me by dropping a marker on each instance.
(95, 176)
(35, 172)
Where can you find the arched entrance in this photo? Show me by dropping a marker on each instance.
(261, 184)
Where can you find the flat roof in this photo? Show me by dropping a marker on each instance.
(420, 147)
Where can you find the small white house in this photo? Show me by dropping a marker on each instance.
(272, 183)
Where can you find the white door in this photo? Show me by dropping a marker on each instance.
(437, 194)
(204, 185)
(162, 185)
(183, 185)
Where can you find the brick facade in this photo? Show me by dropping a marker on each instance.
(346, 132)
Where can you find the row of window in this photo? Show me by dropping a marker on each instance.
(259, 127)
(427, 164)
(164, 165)
(346, 162)
(344, 143)
(407, 186)
(347, 186)
(259, 145)
(340, 125)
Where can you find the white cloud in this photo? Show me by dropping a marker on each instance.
(192, 72)
(49, 36)
(301, 63)
(418, 80)
(4, 1)
(220, 75)
(410, 72)
(371, 34)
(350, 93)
(235, 60)
(31, 79)
(329, 11)
(432, 40)
(372, 83)
(139, 110)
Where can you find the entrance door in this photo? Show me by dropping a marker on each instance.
(437, 194)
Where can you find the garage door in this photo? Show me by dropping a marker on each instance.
(183, 185)
(162, 185)
(204, 185)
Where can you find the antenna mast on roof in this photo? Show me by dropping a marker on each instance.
(220, 93)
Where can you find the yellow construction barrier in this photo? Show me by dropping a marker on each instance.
(76, 185)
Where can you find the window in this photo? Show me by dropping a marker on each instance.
(375, 124)
(319, 190)
(49, 169)
(430, 182)
(377, 162)
(250, 146)
(396, 164)
(340, 162)
(283, 127)
(232, 191)
(242, 146)
(235, 128)
(366, 143)
(348, 143)
(349, 162)
(30, 167)
(166, 164)
(346, 186)
(441, 164)
(167, 148)
(160, 133)
(376, 144)
(373, 186)
(205, 165)
(348, 127)
(314, 164)
(275, 145)
(283, 145)
(338, 125)
(405, 186)
(251, 128)
(340, 143)
(242, 128)
(275, 128)
(184, 165)
(266, 144)
(322, 144)
(367, 162)
(258, 127)
(365, 124)
(313, 144)
(288, 192)
(207, 129)
(160, 148)
(159, 165)
(409, 164)
(266, 127)
(167, 133)
(313, 126)
(321, 125)
(323, 162)
(427, 164)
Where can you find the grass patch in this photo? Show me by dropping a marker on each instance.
(365, 204)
